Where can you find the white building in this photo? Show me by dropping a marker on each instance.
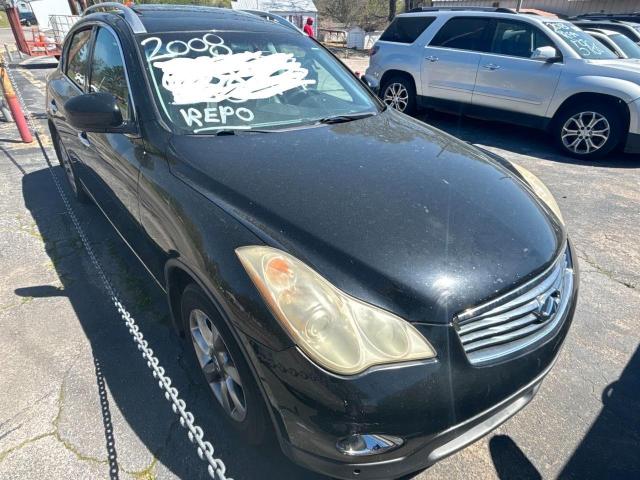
(296, 11)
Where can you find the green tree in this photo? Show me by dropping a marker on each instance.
(368, 14)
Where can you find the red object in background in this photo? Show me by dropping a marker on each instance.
(308, 29)
(16, 28)
(18, 117)
(14, 106)
(38, 45)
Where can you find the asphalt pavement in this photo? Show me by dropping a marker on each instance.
(77, 400)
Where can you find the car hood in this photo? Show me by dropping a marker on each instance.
(620, 68)
(390, 210)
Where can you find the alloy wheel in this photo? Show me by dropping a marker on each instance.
(396, 96)
(217, 364)
(585, 132)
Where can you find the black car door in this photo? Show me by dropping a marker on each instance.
(67, 82)
(111, 161)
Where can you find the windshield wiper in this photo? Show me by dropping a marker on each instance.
(235, 131)
(345, 118)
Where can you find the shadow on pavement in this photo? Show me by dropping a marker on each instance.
(517, 139)
(611, 447)
(609, 450)
(509, 461)
(118, 366)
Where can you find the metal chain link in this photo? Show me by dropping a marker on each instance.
(215, 467)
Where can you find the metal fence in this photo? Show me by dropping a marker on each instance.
(61, 24)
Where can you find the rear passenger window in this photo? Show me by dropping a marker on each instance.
(406, 29)
(78, 58)
(463, 33)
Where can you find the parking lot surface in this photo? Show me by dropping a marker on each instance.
(77, 399)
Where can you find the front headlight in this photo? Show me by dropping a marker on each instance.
(339, 332)
(541, 190)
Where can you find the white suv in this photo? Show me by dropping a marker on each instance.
(526, 69)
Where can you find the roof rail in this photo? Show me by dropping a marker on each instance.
(129, 15)
(595, 19)
(462, 9)
(602, 15)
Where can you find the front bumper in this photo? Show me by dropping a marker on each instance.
(440, 446)
(437, 406)
(632, 144)
(372, 81)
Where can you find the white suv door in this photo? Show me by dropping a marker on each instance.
(452, 57)
(508, 79)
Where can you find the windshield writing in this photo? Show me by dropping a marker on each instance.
(580, 41)
(209, 81)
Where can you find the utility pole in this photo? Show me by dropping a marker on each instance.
(518, 5)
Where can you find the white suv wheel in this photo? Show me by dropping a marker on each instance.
(585, 132)
(396, 96)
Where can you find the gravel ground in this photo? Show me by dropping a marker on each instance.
(76, 399)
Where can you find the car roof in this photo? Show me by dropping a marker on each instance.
(175, 18)
(480, 12)
(603, 31)
(604, 21)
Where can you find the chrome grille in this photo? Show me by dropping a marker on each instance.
(519, 319)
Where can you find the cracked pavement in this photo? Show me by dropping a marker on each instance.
(77, 400)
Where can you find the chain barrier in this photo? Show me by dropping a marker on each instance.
(215, 467)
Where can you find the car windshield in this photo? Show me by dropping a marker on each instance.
(628, 46)
(580, 41)
(205, 82)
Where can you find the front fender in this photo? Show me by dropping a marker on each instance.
(190, 232)
(568, 87)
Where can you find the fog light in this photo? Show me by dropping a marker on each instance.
(359, 445)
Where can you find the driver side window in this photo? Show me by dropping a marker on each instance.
(518, 39)
(108, 71)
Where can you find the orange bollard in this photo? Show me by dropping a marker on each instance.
(14, 106)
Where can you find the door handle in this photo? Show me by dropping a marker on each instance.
(491, 66)
(82, 136)
(432, 58)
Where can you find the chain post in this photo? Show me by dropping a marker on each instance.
(215, 467)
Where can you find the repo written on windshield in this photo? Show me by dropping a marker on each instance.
(204, 71)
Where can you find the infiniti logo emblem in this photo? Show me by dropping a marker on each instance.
(547, 306)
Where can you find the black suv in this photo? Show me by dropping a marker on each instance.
(376, 291)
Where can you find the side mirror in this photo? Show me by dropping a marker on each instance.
(94, 112)
(546, 54)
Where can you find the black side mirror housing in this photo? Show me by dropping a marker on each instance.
(95, 112)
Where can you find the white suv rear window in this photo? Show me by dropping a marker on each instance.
(406, 29)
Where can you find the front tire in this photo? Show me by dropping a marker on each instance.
(400, 93)
(65, 162)
(590, 131)
(224, 367)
